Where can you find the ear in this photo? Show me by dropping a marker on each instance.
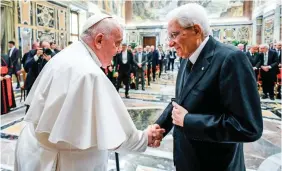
(198, 30)
(98, 40)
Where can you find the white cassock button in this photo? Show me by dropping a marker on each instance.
(203, 68)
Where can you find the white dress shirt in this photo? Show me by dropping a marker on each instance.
(265, 59)
(124, 57)
(11, 51)
(193, 58)
(140, 57)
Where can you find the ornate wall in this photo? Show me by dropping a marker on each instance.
(36, 21)
(228, 33)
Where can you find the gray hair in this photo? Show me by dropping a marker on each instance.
(190, 14)
(106, 26)
(264, 46)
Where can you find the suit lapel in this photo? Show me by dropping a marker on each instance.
(179, 80)
(199, 69)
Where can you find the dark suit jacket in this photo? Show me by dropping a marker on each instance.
(144, 60)
(15, 59)
(149, 59)
(33, 67)
(124, 68)
(224, 111)
(172, 53)
(155, 58)
(273, 62)
(255, 60)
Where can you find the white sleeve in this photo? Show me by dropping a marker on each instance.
(137, 142)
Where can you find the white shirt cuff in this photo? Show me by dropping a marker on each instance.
(269, 67)
(36, 57)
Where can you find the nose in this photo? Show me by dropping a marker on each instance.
(171, 43)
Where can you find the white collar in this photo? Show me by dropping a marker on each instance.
(12, 48)
(193, 58)
(92, 54)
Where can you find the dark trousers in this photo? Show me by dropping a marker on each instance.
(171, 62)
(139, 73)
(268, 87)
(123, 77)
(149, 74)
(154, 72)
(161, 68)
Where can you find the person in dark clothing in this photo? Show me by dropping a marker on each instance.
(124, 67)
(35, 46)
(155, 57)
(254, 58)
(14, 54)
(161, 56)
(269, 67)
(149, 54)
(54, 48)
(172, 57)
(217, 106)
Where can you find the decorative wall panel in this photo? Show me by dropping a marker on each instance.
(45, 16)
(243, 33)
(268, 30)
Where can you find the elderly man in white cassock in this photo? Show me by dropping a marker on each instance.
(76, 115)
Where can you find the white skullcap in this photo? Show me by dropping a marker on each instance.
(93, 20)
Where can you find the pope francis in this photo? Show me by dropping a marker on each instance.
(76, 115)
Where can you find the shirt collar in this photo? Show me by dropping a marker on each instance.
(92, 54)
(12, 48)
(193, 58)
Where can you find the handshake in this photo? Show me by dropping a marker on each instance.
(155, 135)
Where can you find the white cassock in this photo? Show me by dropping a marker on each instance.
(75, 117)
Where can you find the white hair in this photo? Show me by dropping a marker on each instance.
(106, 26)
(264, 46)
(190, 14)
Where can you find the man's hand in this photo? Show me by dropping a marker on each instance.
(46, 57)
(115, 74)
(178, 114)
(110, 68)
(139, 65)
(39, 52)
(155, 135)
(7, 76)
(254, 68)
(265, 68)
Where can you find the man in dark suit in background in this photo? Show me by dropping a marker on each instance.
(254, 59)
(161, 56)
(154, 61)
(269, 67)
(172, 57)
(124, 66)
(54, 48)
(149, 63)
(140, 60)
(35, 62)
(14, 55)
(217, 105)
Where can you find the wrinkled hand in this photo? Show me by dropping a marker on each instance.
(155, 135)
(265, 68)
(178, 114)
(46, 57)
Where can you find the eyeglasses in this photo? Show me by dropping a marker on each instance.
(173, 35)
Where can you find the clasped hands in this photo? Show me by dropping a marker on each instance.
(155, 132)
